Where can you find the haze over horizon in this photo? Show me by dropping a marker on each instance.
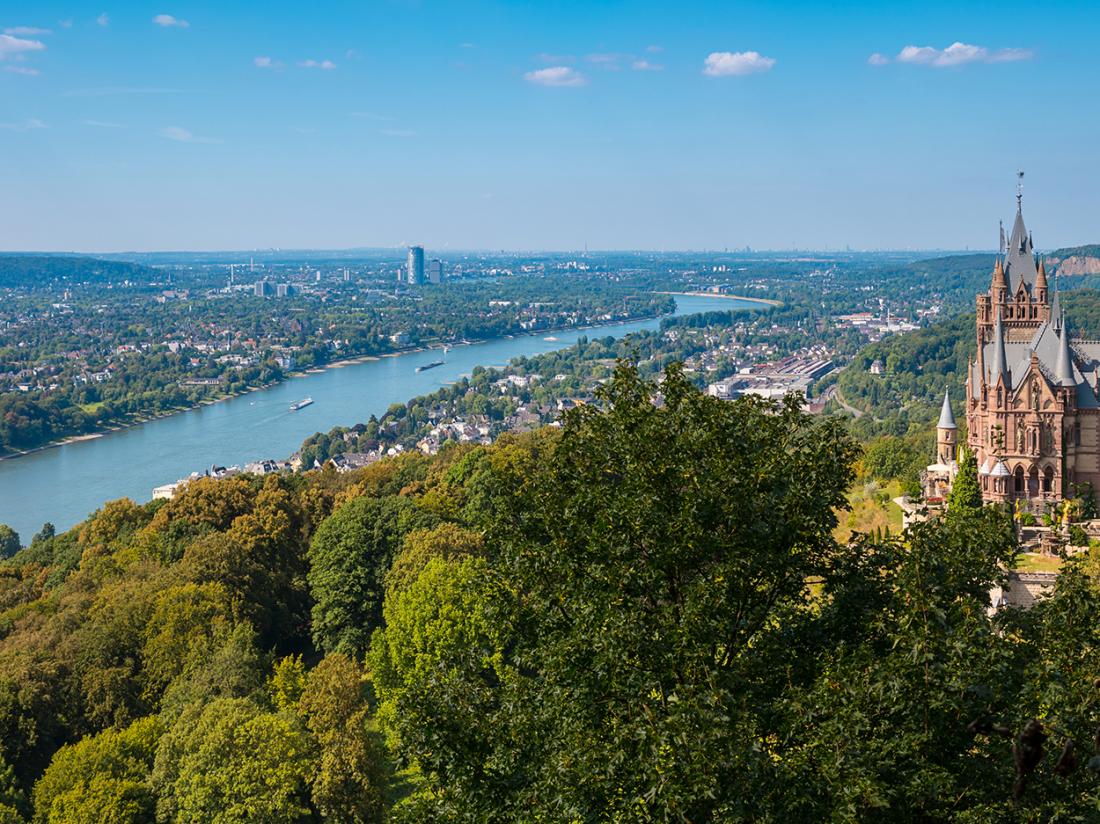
(501, 126)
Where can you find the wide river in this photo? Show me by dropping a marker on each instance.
(63, 485)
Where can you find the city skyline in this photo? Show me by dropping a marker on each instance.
(632, 126)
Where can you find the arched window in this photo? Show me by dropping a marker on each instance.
(1033, 482)
(1048, 479)
(1018, 481)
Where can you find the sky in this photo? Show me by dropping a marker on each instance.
(182, 125)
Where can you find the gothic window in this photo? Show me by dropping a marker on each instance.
(1048, 479)
(1018, 480)
(1077, 433)
(1000, 398)
(1048, 439)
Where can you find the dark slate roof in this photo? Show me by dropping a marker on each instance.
(1083, 361)
(1020, 256)
(947, 418)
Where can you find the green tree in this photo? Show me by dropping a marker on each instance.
(348, 560)
(230, 762)
(9, 541)
(658, 557)
(966, 494)
(102, 778)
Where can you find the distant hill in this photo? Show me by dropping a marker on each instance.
(1077, 260)
(31, 271)
(956, 278)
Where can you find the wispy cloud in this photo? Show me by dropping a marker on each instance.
(646, 66)
(102, 124)
(556, 76)
(168, 21)
(547, 57)
(65, 24)
(726, 64)
(957, 54)
(466, 45)
(397, 132)
(26, 31)
(611, 62)
(654, 49)
(23, 125)
(381, 118)
(103, 20)
(264, 62)
(326, 65)
(181, 135)
(18, 46)
(23, 70)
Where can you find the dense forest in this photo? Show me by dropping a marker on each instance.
(34, 271)
(636, 617)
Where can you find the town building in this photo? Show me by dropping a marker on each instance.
(435, 271)
(414, 273)
(1032, 396)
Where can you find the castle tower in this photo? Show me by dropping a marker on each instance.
(947, 433)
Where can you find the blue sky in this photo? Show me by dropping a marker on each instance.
(509, 125)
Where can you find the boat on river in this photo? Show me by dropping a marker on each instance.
(302, 404)
(425, 367)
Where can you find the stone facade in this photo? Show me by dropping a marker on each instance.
(1032, 400)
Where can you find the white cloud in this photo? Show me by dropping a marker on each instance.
(556, 76)
(326, 65)
(103, 19)
(546, 57)
(26, 31)
(877, 59)
(266, 63)
(168, 21)
(103, 124)
(723, 64)
(65, 24)
(646, 66)
(654, 49)
(22, 70)
(182, 135)
(959, 54)
(17, 46)
(24, 125)
(605, 61)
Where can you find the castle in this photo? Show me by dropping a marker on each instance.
(1032, 395)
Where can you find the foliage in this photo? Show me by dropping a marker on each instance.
(966, 494)
(9, 541)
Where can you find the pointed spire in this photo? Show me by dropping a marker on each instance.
(1041, 278)
(999, 276)
(1001, 248)
(947, 418)
(1056, 310)
(1063, 372)
(999, 368)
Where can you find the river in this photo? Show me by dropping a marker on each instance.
(63, 485)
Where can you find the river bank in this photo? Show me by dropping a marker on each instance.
(139, 420)
(721, 296)
(65, 483)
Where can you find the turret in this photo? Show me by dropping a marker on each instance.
(1041, 283)
(946, 432)
(1063, 372)
(1000, 285)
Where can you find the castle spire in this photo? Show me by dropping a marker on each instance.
(1063, 372)
(1041, 278)
(999, 368)
(947, 417)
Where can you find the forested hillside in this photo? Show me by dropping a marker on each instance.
(611, 621)
(31, 271)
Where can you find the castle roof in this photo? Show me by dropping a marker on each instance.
(1020, 254)
(947, 418)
